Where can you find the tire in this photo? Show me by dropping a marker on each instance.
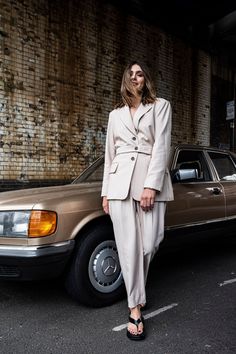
(94, 278)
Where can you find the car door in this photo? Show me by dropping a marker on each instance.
(226, 170)
(198, 200)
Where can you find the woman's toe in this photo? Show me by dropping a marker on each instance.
(131, 329)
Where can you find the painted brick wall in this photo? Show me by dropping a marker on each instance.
(60, 69)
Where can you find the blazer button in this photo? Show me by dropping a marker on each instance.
(134, 138)
(136, 148)
(132, 158)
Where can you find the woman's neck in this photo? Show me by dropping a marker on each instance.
(136, 101)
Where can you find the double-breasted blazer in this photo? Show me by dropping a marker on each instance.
(137, 152)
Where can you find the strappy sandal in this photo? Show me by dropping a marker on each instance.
(138, 336)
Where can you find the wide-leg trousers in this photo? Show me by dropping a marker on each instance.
(138, 235)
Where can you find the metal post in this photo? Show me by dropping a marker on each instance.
(232, 135)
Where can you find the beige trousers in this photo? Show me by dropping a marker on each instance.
(138, 235)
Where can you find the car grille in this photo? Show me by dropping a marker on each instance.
(9, 271)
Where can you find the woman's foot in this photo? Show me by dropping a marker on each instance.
(135, 328)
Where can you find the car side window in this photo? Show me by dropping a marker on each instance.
(224, 166)
(192, 160)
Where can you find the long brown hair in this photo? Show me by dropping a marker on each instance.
(126, 90)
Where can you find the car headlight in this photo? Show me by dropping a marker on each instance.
(35, 223)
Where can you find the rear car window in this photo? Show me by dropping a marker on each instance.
(224, 165)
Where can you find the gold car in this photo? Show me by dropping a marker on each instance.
(62, 230)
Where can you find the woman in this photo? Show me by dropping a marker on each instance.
(136, 182)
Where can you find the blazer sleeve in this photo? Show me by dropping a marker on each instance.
(161, 147)
(109, 155)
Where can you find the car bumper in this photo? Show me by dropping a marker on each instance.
(34, 262)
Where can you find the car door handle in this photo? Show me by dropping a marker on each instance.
(215, 190)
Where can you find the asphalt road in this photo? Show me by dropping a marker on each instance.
(191, 309)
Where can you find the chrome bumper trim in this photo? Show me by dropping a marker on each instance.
(36, 251)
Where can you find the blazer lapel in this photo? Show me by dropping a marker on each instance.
(126, 118)
(142, 109)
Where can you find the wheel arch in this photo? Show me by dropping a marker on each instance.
(82, 229)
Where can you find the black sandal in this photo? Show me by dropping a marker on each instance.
(138, 336)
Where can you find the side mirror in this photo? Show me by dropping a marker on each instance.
(184, 175)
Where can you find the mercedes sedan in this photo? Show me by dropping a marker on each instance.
(63, 231)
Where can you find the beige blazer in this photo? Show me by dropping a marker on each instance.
(137, 152)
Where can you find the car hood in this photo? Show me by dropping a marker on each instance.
(28, 198)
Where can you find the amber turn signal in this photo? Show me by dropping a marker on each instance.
(42, 223)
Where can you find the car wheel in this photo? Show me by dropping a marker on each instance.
(94, 277)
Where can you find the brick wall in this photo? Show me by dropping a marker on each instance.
(60, 69)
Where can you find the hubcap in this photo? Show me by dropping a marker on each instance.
(104, 267)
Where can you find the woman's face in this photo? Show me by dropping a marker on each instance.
(137, 78)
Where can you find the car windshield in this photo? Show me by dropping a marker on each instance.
(94, 173)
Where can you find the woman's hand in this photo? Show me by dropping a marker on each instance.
(105, 205)
(148, 199)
